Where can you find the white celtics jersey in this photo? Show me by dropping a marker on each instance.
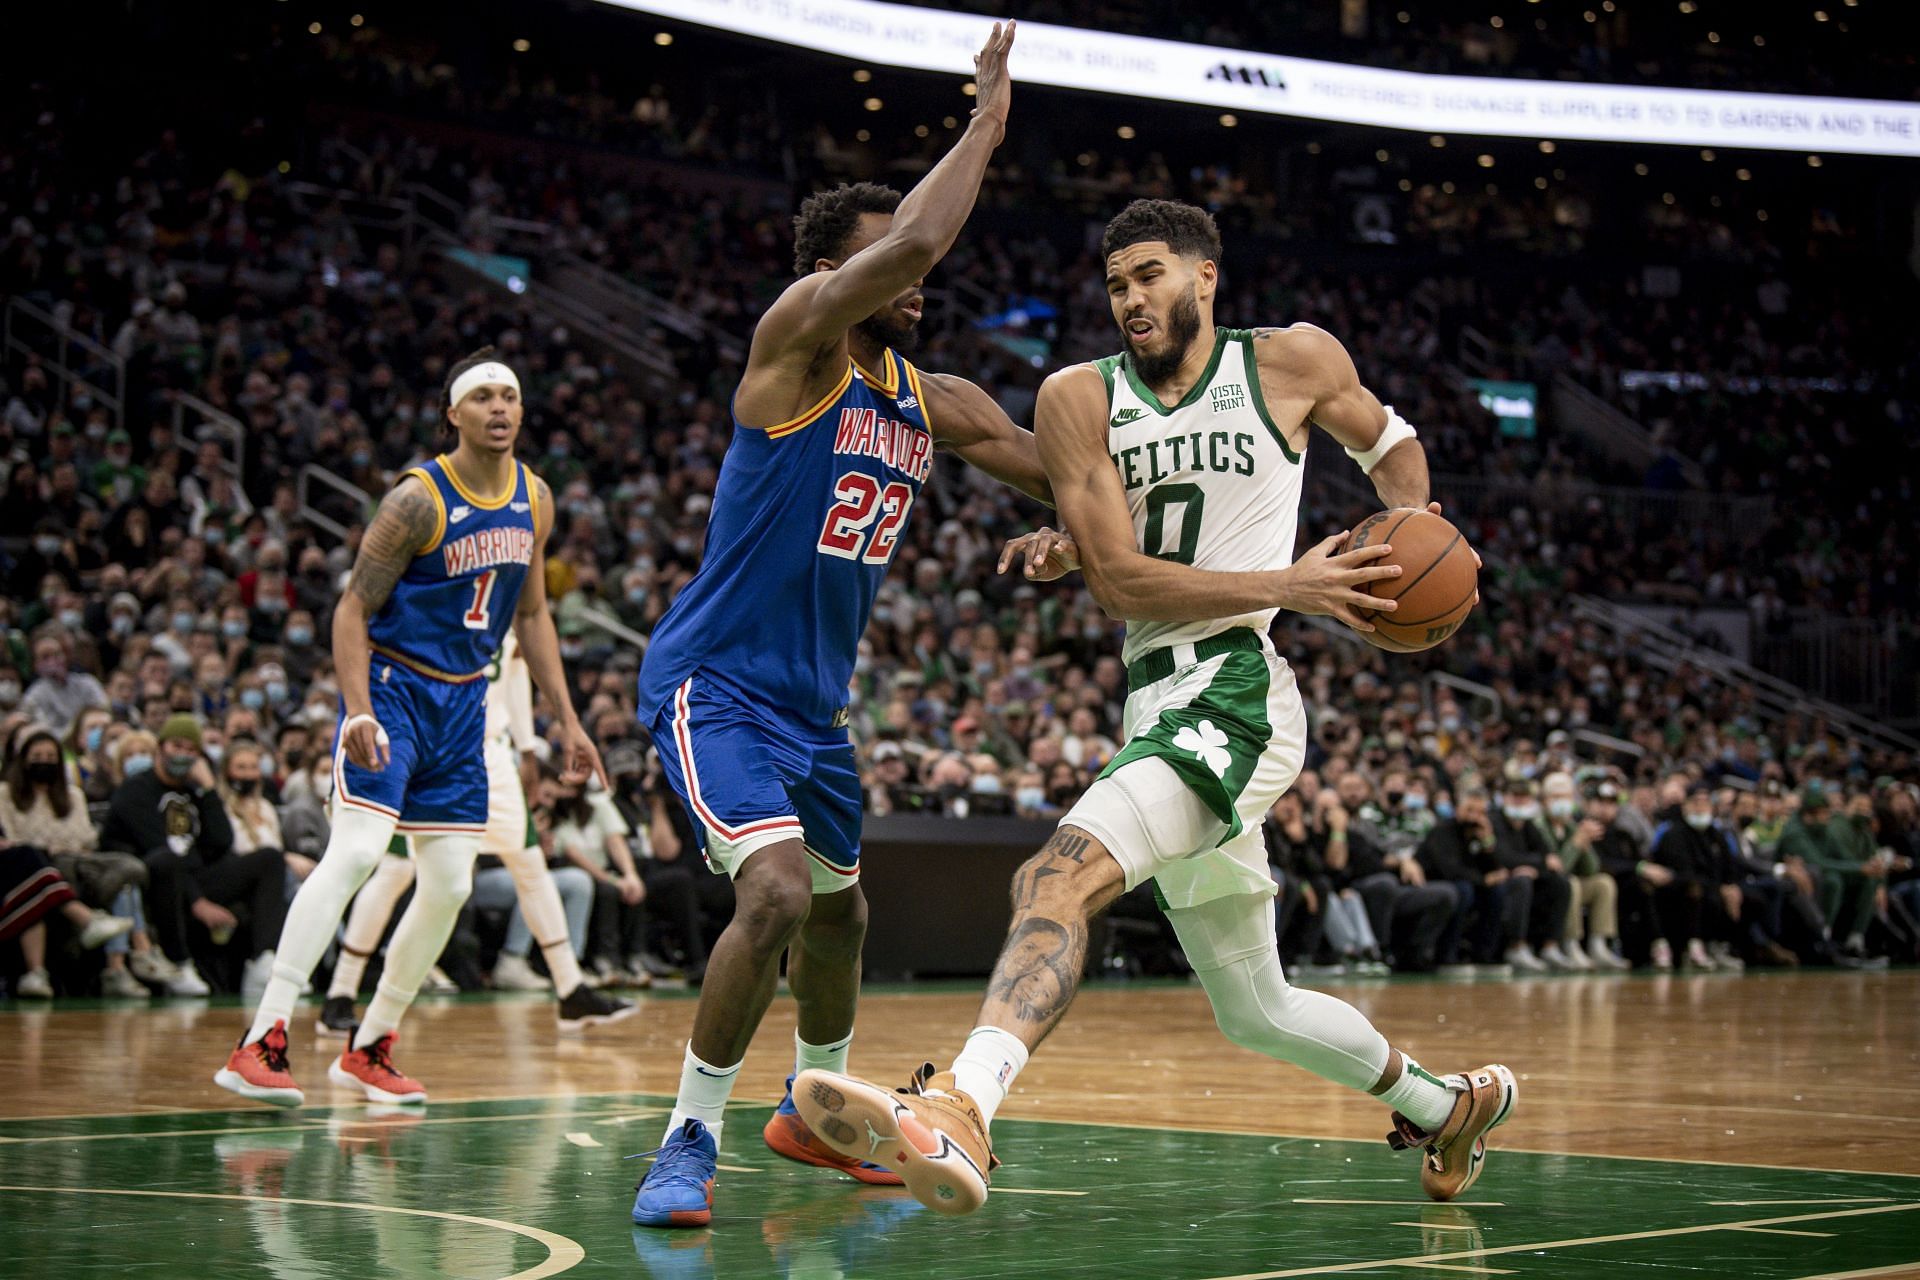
(1211, 482)
(510, 697)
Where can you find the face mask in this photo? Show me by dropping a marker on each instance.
(986, 785)
(637, 595)
(215, 537)
(1443, 809)
(299, 636)
(1520, 812)
(1699, 821)
(233, 629)
(361, 457)
(276, 691)
(1394, 798)
(243, 786)
(571, 649)
(636, 536)
(271, 604)
(44, 775)
(71, 619)
(253, 699)
(1414, 802)
(1560, 808)
(1030, 797)
(137, 763)
(9, 692)
(47, 545)
(183, 621)
(122, 625)
(1450, 723)
(93, 737)
(214, 751)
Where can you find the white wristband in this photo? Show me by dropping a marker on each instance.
(379, 734)
(1396, 430)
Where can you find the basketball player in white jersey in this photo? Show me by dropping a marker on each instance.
(509, 837)
(1176, 466)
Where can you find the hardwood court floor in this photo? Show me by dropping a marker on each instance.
(1700, 1126)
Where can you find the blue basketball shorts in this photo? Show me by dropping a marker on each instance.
(435, 782)
(750, 778)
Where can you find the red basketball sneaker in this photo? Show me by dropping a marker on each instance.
(370, 1069)
(259, 1070)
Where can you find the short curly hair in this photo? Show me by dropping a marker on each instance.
(1188, 229)
(827, 219)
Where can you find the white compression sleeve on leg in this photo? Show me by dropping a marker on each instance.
(546, 918)
(372, 908)
(443, 870)
(354, 849)
(1230, 944)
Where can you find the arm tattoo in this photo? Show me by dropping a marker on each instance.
(403, 525)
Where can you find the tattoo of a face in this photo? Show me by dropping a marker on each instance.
(404, 525)
(1039, 970)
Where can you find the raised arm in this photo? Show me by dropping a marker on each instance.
(1070, 424)
(966, 420)
(407, 522)
(1313, 360)
(818, 309)
(540, 645)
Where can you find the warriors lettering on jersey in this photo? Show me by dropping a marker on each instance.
(901, 445)
(487, 548)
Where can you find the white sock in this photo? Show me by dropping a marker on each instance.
(820, 1057)
(704, 1090)
(1419, 1095)
(546, 918)
(372, 908)
(987, 1064)
(353, 850)
(443, 869)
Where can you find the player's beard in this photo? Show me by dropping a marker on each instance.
(1183, 326)
(901, 337)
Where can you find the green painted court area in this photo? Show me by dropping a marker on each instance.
(537, 1187)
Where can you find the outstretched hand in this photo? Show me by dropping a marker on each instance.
(1050, 554)
(993, 87)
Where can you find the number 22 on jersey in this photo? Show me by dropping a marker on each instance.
(864, 504)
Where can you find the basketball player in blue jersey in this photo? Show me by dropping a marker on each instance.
(745, 682)
(455, 555)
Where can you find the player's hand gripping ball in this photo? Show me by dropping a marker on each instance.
(1439, 582)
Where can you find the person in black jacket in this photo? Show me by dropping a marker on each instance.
(1407, 913)
(1294, 857)
(173, 819)
(1623, 858)
(1700, 901)
(1520, 846)
(1459, 852)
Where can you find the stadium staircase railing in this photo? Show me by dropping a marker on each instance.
(67, 355)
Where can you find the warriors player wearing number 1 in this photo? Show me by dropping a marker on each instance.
(745, 683)
(454, 556)
(1177, 467)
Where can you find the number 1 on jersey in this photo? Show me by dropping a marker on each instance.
(480, 616)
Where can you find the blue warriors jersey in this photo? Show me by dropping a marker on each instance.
(451, 609)
(805, 521)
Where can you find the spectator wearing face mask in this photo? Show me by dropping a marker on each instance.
(1294, 858)
(86, 751)
(1521, 846)
(303, 811)
(1595, 904)
(1838, 847)
(1697, 905)
(173, 818)
(58, 694)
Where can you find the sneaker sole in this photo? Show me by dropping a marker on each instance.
(577, 1026)
(234, 1082)
(868, 1124)
(374, 1093)
(781, 1141)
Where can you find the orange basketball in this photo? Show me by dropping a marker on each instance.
(1437, 582)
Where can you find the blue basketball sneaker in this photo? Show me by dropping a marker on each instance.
(787, 1134)
(678, 1190)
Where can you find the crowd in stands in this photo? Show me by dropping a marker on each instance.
(167, 702)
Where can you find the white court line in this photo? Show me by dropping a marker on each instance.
(1437, 1226)
(1782, 1231)
(1459, 1204)
(1416, 1260)
(1030, 1191)
(1823, 1200)
(1898, 1268)
(562, 1254)
(584, 1140)
(1461, 1266)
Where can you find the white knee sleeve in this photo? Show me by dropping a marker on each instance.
(443, 877)
(1230, 944)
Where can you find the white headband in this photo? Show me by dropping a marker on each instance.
(482, 375)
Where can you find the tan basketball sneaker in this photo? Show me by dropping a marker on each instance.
(930, 1133)
(1451, 1159)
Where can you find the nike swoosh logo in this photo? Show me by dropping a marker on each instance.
(717, 1075)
